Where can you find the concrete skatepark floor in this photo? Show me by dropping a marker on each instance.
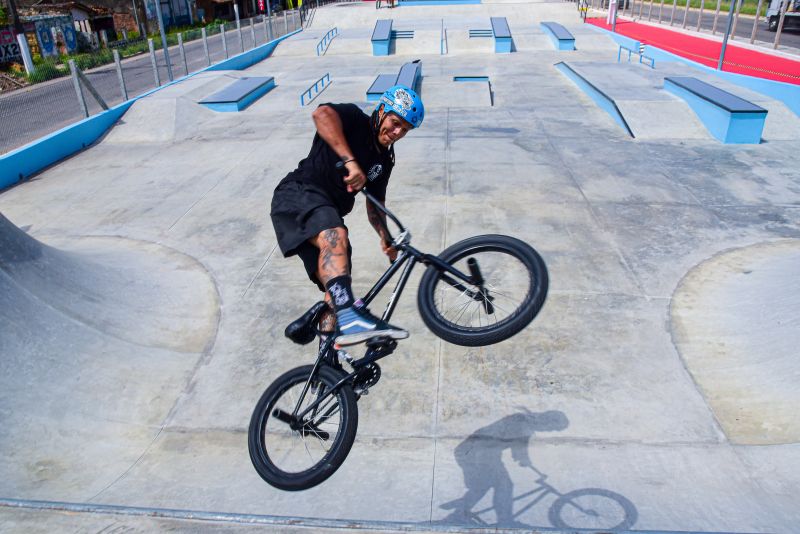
(144, 302)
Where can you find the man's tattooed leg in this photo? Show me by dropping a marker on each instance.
(332, 246)
(327, 320)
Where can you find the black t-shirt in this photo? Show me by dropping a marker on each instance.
(319, 167)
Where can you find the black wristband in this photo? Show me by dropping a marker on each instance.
(346, 161)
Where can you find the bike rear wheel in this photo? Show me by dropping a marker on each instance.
(297, 455)
(513, 291)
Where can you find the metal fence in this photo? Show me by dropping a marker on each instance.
(40, 109)
(750, 21)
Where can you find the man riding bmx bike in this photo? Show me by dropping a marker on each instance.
(309, 204)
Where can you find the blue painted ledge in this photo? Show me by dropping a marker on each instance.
(40, 154)
(731, 126)
(787, 93)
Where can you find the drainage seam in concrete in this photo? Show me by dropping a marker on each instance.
(292, 521)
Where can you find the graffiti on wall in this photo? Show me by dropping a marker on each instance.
(9, 49)
(56, 35)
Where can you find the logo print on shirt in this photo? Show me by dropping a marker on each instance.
(374, 172)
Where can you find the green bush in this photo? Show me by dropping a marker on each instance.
(133, 49)
(91, 60)
(45, 70)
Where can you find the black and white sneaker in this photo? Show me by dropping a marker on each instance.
(357, 325)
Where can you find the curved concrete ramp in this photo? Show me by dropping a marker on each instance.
(97, 344)
(736, 323)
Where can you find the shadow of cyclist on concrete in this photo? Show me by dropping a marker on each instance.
(480, 458)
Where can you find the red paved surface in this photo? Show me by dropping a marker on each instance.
(705, 51)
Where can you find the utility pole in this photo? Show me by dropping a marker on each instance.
(727, 35)
(12, 8)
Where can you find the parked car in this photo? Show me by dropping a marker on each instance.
(792, 19)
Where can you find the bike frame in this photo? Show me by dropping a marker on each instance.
(407, 258)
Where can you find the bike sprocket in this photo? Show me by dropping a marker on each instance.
(366, 377)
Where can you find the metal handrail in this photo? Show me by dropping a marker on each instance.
(322, 46)
(314, 90)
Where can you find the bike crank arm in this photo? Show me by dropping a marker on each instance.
(306, 429)
(314, 405)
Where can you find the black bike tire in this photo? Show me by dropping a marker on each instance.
(490, 334)
(328, 465)
(631, 514)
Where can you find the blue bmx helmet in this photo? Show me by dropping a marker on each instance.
(404, 102)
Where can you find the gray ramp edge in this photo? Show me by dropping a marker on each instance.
(257, 519)
(601, 99)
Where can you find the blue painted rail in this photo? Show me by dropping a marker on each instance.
(402, 34)
(325, 42)
(480, 33)
(729, 118)
(639, 50)
(240, 94)
(312, 92)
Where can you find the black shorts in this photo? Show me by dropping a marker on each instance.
(299, 212)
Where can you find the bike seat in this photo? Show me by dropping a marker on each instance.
(301, 330)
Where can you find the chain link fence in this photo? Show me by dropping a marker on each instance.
(34, 111)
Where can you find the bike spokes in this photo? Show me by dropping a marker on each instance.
(296, 444)
(498, 285)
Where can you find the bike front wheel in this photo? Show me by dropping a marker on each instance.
(293, 453)
(507, 289)
(593, 508)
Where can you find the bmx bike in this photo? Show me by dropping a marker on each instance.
(477, 292)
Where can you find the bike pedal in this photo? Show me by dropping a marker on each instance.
(380, 341)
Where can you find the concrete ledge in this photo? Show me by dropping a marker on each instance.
(382, 37)
(729, 125)
(503, 43)
(562, 39)
(787, 93)
(240, 94)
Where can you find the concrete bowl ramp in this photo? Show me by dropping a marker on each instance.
(736, 323)
(98, 339)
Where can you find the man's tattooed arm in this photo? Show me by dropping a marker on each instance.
(378, 220)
